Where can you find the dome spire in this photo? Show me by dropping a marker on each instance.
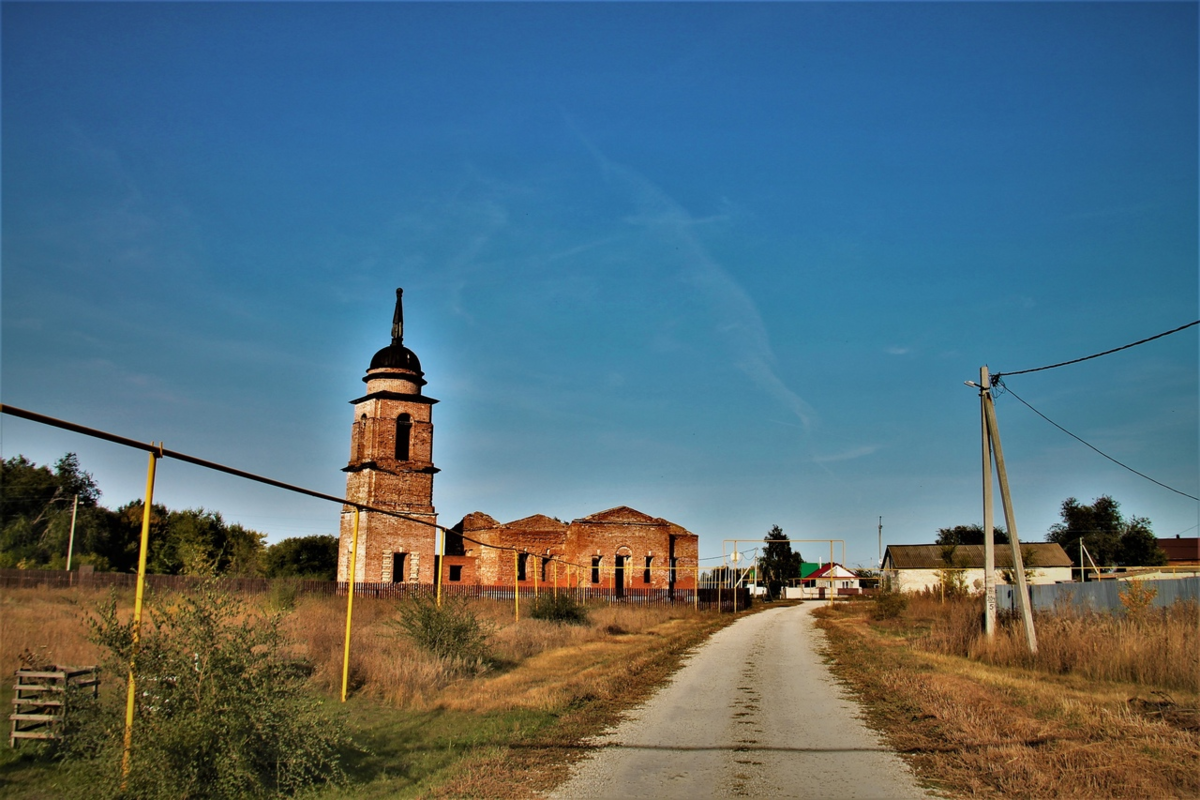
(398, 320)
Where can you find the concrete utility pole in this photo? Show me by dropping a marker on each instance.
(1018, 565)
(881, 543)
(71, 540)
(989, 545)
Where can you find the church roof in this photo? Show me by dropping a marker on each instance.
(623, 515)
(538, 522)
(396, 356)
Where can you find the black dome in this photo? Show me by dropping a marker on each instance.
(396, 356)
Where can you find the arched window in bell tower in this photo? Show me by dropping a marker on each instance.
(403, 435)
(359, 442)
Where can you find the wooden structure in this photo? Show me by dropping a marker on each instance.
(40, 700)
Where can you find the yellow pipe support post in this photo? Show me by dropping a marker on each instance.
(350, 604)
(556, 579)
(441, 569)
(516, 587)
(131, 691)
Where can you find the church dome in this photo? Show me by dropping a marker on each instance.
(396, 356)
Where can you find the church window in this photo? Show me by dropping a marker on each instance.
(403, 434)
(595, 569)
(646, 574)
(522, 562)
(398, 565)
(455, 573)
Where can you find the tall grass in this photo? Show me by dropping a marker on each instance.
(1159, 648)
(1156, 648)
(383, 665)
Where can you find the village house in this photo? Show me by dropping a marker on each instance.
(824, 580)
(920, 567)
(391, 468)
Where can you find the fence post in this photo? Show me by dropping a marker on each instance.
(350, 604)
(441, 566)
(131, 691)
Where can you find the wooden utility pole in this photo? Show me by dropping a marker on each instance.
(989, 545)
(1018, 563)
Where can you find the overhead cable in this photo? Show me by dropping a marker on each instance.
(996, 377)
(1073, 436)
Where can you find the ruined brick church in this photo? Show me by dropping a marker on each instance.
(391, 467)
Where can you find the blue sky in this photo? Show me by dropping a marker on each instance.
(729, 264)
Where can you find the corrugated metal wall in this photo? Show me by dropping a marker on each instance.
(1098, 595)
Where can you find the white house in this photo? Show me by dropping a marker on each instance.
(830, 578)
(917, 567)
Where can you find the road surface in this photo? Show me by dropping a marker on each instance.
(753, 713)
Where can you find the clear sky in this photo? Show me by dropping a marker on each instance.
(729, 264)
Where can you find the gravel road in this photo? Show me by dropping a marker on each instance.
(753, 713)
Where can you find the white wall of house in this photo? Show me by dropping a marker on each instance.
(917, 580)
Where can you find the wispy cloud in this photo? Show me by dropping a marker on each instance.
(847, 455)
(733, 312)
(897, 351)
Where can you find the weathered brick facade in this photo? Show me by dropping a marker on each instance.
(617, 548)
(391, 467)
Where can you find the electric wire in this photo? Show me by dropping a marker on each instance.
(1098, 450)
(996, 377)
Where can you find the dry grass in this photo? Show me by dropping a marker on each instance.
(386, 666)
(1019, 726)
(1155, 648)
(383, 664)
(48, 623)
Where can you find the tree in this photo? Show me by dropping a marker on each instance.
(313, 557)
(35, 510)
(1108, 537)
(1139, 546)
(970, 534)
(779, 564)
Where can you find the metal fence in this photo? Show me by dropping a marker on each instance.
(1098, 595)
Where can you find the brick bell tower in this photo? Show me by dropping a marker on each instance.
(391, 467)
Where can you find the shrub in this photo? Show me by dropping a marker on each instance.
(220, 710)
(560, 608)
(889, 603)
(450, 631)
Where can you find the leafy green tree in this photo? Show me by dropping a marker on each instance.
(778, 563)
(970, 534)
(313, 557)
(35, 509)
(1139, 546)
(1108, 537)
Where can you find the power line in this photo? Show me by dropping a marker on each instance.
(996, 377)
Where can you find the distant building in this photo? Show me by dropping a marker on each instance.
(1181, 552)
(391, 467)
(917, 567)
(824, 580)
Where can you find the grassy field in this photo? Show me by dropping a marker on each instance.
(1110, 706)
(420, 726)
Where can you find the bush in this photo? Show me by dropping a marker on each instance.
(221, 712)
(889, 604)
(451, 631)
(561, 608)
